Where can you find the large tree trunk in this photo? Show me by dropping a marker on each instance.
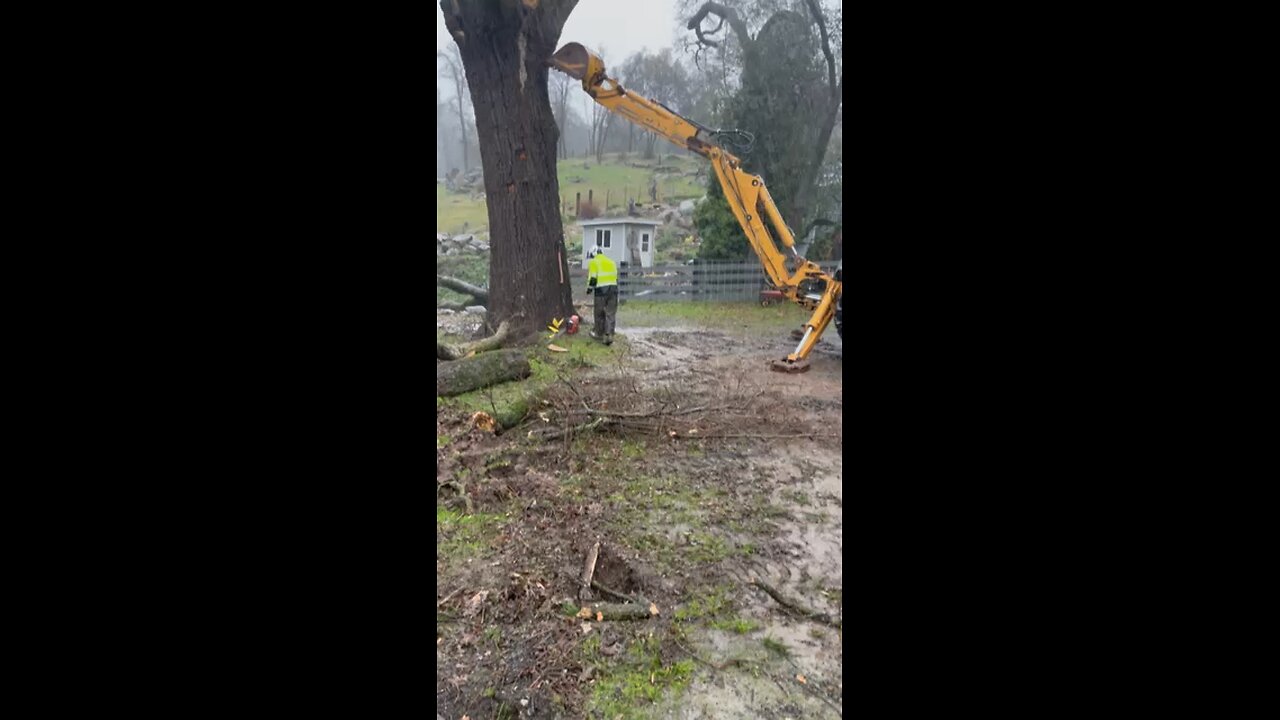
(505, 45)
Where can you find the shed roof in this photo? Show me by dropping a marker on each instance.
(620, 220)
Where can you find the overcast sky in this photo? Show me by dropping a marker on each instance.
(621, 27)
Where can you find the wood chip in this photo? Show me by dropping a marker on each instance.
(653, 609)
(586, 628)
(599, 617)
(556, 348)
(801, 680)
(484, 421)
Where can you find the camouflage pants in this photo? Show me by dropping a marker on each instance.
(606, 309)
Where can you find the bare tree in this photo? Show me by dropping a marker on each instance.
(792, 154)
(504, 47)
(601, 120)
(453, 65)
(560, 88)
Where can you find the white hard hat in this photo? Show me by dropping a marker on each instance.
(594, 252)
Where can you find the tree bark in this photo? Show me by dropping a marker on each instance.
(505, 45)
(483, 370)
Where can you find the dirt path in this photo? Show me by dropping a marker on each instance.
(690, 506)
(805, 477)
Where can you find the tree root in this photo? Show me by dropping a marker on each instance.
(493, 342)
(797, 608)
(621, 596)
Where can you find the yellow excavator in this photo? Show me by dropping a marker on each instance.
(804, 282)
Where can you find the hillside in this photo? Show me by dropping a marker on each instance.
(615, 179)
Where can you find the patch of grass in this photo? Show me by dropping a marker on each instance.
(798, 497)
(745, 317)
(443, 441)
(712, 605)
(629, 684)
(457, 212)
(740, 626)
(465, 535)
(632, 449)
(510, 401)
(621, 181)
(472, 268)
(707, 548)
(776, 646)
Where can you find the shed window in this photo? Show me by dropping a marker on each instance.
(644, 242)
(604, 238)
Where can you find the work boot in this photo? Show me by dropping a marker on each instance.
(608, 340)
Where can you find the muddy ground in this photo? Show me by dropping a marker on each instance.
(699, 472)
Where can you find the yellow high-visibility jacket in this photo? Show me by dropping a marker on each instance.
(601, 271)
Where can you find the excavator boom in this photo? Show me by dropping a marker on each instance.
(803, 282)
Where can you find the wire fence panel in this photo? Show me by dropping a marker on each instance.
(705, 281)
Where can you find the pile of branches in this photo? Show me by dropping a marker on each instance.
(658, 413)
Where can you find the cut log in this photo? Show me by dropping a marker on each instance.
(620, 611)
(483, 370)
(493, 342)
(465, 288)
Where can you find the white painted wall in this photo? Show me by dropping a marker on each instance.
(617, 249)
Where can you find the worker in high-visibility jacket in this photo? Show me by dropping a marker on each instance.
(602, 281)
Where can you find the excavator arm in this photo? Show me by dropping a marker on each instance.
(803, 282)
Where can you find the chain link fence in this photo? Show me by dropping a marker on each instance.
(705, 281)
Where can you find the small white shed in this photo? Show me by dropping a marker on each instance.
(624, 239)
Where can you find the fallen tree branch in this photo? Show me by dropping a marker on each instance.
(656, 413)
(620, 611)
(464, 287)
(796, 607)
(573, 430)
(458, 307)
(448, 597)
(714, 666)
(493, 342)
(621, 596)
(588, 572)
